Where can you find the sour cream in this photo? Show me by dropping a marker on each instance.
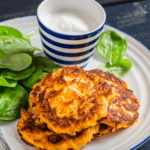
(70, 22)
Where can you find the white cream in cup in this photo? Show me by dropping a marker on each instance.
(70, 30)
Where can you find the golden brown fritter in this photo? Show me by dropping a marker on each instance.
(72, 99)
(38, 135)
(68, 107)
(109, 77)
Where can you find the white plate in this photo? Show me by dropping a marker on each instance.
(137, 79)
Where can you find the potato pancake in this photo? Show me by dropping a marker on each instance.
(72, 99)
(37, 134)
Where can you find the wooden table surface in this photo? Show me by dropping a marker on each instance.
(130, 16)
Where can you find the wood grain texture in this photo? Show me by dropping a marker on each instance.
(107, 3)
(132, 18)
(10, 9)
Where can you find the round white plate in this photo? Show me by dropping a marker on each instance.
(137, 80)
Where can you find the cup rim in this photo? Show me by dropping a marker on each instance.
(70, 35)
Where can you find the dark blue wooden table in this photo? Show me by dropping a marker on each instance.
(130, 16)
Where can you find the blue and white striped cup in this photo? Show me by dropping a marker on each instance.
(68, 49)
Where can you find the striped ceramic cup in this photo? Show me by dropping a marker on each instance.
(65, 48)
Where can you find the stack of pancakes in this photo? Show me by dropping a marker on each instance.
(71, 106)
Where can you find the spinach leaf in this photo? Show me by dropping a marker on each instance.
(112, 46)
(29, 35)
(52, 68)
(12, 45)
(43, 64)
(2, 53)
(119, 69)
(11, 100)
(12, 42)
(9, 74)
(33, 79)
(7, 82)
(9, 31)
(16, 62)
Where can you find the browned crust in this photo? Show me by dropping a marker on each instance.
(122, 101)
(41, 99)
(29, 127)
(109, 77)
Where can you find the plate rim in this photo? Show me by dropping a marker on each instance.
(24, 17)
(147, 138)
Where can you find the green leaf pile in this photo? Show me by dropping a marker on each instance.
(44, 65)
(11, 100)
(112, 46)
(20, 70)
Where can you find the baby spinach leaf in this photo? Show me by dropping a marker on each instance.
(27, 89)
(43, 64)
(29, 35)
(50, 69)
(12, 41)
(15, 75)
(119, 69)
(112, 46)
(9, 31)
(13, 45)
(11, 100)
(33, 79)
(7, 82)
(2, 53)
(16, 62)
